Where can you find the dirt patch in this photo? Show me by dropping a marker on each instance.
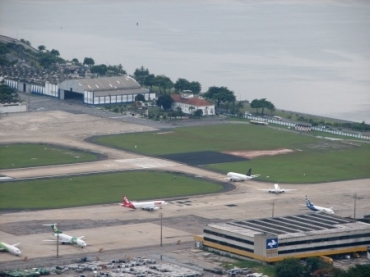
(254, 154)
(203, 158)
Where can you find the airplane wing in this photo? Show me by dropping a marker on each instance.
(265, 189)
(81, 237)
(289, 189)
(16, 244)
(254, 176)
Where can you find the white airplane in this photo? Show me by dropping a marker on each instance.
(147, 206)
(64, 238)
(318, 209)
(277, 189)
(12, 249)
(234, 177)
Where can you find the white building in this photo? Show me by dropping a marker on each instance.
(190, 103)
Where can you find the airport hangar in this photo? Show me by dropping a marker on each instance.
(103, 90)
(277, 238)
(93, 91)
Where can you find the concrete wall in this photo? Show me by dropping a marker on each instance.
(16, 108)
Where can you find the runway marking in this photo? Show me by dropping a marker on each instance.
(146, 162)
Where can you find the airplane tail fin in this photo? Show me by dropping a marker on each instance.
(308, 202)
(249, 173)
(54, 228)
(125, 201)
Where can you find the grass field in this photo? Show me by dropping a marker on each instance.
(313, 160)
(226, 137)
(99, 189)
(29, 154)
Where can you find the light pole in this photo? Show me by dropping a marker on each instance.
(273, 208)
(161, 227)
(354, 208)
(57, 245)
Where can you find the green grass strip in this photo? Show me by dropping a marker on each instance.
(99, 189)
(29, 155)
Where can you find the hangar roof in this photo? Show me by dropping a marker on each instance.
(293, 226)
(108, 83)
(104, 86)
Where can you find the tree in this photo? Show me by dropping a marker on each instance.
(89, 62)
(164, 101)
(195, 87)
(179, 111)
(181, 84)
(141, 74)
(150, 81)
(8, 94)
(198, 113)
(55, 52)
(255, 104)
(290, 267)
(48, 60)
(75, 61)
(163, 82)
(99, 69)
(262, 104)
(25, 42)
(358, 271)
(140, 97)
(41, 48)
(116, 70)
(220, 94)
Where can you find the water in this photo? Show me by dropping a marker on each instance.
(306, 56)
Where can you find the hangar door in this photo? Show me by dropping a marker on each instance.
(72, 95)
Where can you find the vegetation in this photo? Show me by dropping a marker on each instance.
(312, 160)
(110, 70)
(184, 85)
(314, 267)
(99, 189)
(8, 94)
(268, 270)
(220, 95)
(262, 104)
(30, 155)
(164, 101)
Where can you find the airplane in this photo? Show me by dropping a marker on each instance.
(318, 209)
(147, 206)
(277, 189)
(64, 238)
(234, 177)
(12, 249)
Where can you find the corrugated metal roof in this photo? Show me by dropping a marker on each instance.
(291, 226)
(108, 83)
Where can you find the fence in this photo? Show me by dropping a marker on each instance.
(293, 125)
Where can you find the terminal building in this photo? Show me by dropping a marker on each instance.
(278, 238)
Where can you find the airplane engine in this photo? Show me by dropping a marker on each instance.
(155, 208)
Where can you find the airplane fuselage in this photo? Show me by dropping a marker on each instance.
(235, 177)
(153, 205)
(64, 239)
(12, 249)
(320, 209)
